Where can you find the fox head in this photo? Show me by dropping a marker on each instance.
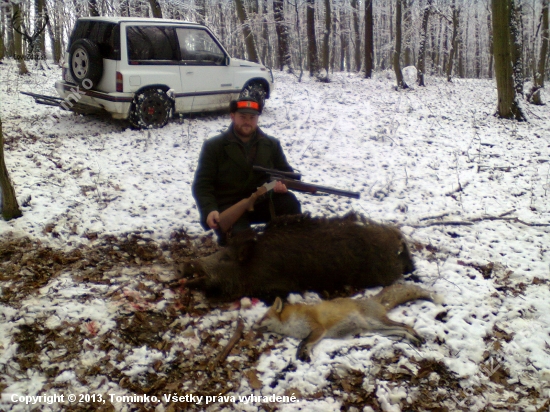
(271, 321)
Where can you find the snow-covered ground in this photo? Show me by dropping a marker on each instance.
(471, 192)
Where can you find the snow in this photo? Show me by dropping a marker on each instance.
(418, 156)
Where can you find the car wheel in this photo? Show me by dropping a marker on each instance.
(86, 63)
(256, 90)
(150, 109)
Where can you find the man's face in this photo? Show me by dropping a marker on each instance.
(245, 124)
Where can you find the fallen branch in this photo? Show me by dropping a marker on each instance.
(470, 222)
(232, 342)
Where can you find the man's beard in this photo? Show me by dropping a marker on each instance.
(242, 133)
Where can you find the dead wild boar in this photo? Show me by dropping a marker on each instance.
(302, 253)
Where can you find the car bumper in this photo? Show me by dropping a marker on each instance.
(118, 104)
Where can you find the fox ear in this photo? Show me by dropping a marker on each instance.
(278, 305)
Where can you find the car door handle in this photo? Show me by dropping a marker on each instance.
(189, 72)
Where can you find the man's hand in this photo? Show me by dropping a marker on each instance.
(213, 219)
(280, 188)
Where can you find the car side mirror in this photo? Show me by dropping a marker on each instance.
(227, 60)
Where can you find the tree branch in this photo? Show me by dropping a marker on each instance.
(470, 222)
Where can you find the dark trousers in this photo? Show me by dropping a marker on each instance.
(283, 204)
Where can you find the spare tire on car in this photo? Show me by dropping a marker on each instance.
(85, 63)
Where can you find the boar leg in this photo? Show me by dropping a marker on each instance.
(305, 346)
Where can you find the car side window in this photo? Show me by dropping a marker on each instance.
(198, 48)
(151, 43)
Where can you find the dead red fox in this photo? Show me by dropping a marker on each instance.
(341, 317)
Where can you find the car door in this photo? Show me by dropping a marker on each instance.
(207, 79)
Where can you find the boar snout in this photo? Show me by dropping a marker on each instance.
(189, 270)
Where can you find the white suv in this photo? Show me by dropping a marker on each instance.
(144, 70)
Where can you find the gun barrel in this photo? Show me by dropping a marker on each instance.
(275, 172)
(311, 188)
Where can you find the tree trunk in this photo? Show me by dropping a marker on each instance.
(92, 8)
(477, 59)
(507, 106)
(312, 55)
(534, 95)
(407, 19)
(421, 67)
(7, 24)
(53, 31)
(18, 41)
(356, 34)
(344, 44)
(155, 9)
(490, 30)
(39, 48)
(326, 38)
(8, 201)
(249, 39)
(2, 48)
(397, 52)
(283, 37)
(201, 10)
(516, 43)
(369, 39)
(124, 8)
(333, 40)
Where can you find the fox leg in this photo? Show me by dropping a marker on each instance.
(305, 346)
(388, 327)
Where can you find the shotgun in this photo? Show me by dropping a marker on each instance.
(290, 180)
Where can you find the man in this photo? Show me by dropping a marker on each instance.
(224, 174)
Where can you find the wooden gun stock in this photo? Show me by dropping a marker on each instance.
(229, 216)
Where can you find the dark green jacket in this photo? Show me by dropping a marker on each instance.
(224, 176)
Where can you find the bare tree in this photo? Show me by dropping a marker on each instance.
(508, 105)
(407, 19)
(8, 201)
(538, 81)
(490, 30)
(18, 38)
(356, 34)
(249, 38)
(300, 52)
(285, 58)
(344, 43)
(423, 39)
(516, 44)
(39, 49)
(155, 8)
(312, 54)
(369, 39)
(92, 8)
(326, 38)
(2, 30)
(454, 40)
(201, 11)
(397, 51)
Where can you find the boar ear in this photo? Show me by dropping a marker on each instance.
(246, 250)
(278, 305)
